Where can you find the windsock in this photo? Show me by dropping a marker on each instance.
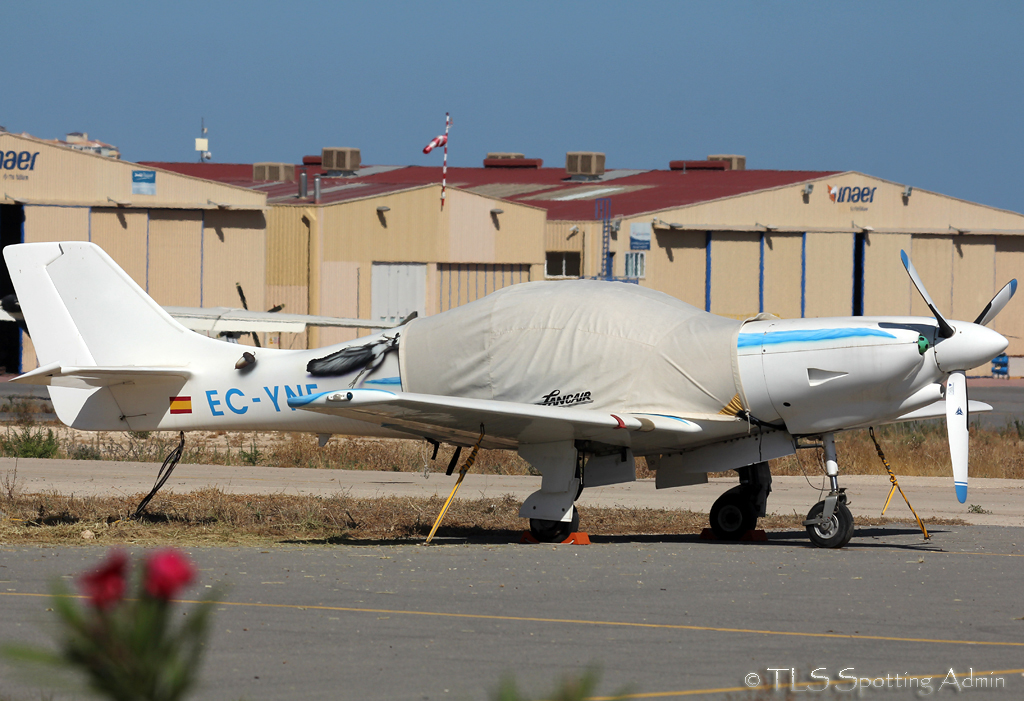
(437, 141)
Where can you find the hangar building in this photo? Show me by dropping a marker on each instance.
(373, 241)
(730, 240)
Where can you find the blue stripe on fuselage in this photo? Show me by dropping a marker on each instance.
(748, 340)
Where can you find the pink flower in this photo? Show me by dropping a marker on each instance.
(167, 572)
(105, 585)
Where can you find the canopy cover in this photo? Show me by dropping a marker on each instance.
(600, 345)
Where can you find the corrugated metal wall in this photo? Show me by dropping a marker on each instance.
(466, 282)
(175, 257)
(234, 246)
(783, 274)
(122, 234)
(676, 264)
(1009, 265)
(933, 258)
(974, 275)
(339, 297)
(828, 282)
(887, 287)
(735, 273)
(49, 223)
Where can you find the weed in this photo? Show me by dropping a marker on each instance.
(29, 443)
(976, 509)
(253, 456)
(9, 484)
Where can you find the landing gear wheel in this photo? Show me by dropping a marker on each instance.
(554, 531)
(834, 534)
(732, 515)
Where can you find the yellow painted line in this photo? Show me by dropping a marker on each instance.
(579, 622)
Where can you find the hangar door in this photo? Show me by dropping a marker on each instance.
(397, 290)
(460, 283)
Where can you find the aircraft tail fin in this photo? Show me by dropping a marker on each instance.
(83, 311)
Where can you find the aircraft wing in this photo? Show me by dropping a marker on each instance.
(505, 424)
(227, 319)
(93, 376)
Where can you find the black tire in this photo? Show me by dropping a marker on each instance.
(732, 515)
(554, 531)
(835, 534)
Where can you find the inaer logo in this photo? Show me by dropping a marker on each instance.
(181, 405)
(851, 194)
(556, 398)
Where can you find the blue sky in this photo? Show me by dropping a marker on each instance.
(924, 93)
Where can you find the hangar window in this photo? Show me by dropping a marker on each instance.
(562, 264)
(636, 262)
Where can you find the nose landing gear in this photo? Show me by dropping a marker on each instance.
(829, 523)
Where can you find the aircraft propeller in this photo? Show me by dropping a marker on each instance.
(956, 350)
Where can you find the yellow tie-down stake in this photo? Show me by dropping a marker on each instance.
(462, 473)
(895, 484)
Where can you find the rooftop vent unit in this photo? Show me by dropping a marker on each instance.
(312, 160)
(273, 172)
(340, 160)
(698, 165)
(584, 165)
(735, 162)
(511, 160)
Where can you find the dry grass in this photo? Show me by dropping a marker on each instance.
(211, 517)
(918, 448)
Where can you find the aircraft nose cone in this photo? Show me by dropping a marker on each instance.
(970, 346)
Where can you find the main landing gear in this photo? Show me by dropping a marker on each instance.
(736, 512)
(546, 531)
(829, 523)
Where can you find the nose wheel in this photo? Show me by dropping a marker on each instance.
(834, 532)
(829, 523)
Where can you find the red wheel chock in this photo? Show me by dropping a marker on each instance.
(573, 539)
(750, 536)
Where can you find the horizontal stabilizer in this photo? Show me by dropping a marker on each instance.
(83, 377)
(938, 411)
(505, 423)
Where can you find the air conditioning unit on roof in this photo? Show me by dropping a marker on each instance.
(735, 162)
(273, 172)
(589, 163)
(345, 160)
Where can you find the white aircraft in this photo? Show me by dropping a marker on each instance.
(578, 376)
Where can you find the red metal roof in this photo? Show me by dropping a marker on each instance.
(631, 192)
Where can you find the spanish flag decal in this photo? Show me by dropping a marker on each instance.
(181, 405)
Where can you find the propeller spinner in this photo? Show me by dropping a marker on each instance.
(958, 349)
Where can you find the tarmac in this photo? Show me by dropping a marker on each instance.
(667, 617)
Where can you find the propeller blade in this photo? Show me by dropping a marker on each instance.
(993, 308)
(956, 430)
(945, 330)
